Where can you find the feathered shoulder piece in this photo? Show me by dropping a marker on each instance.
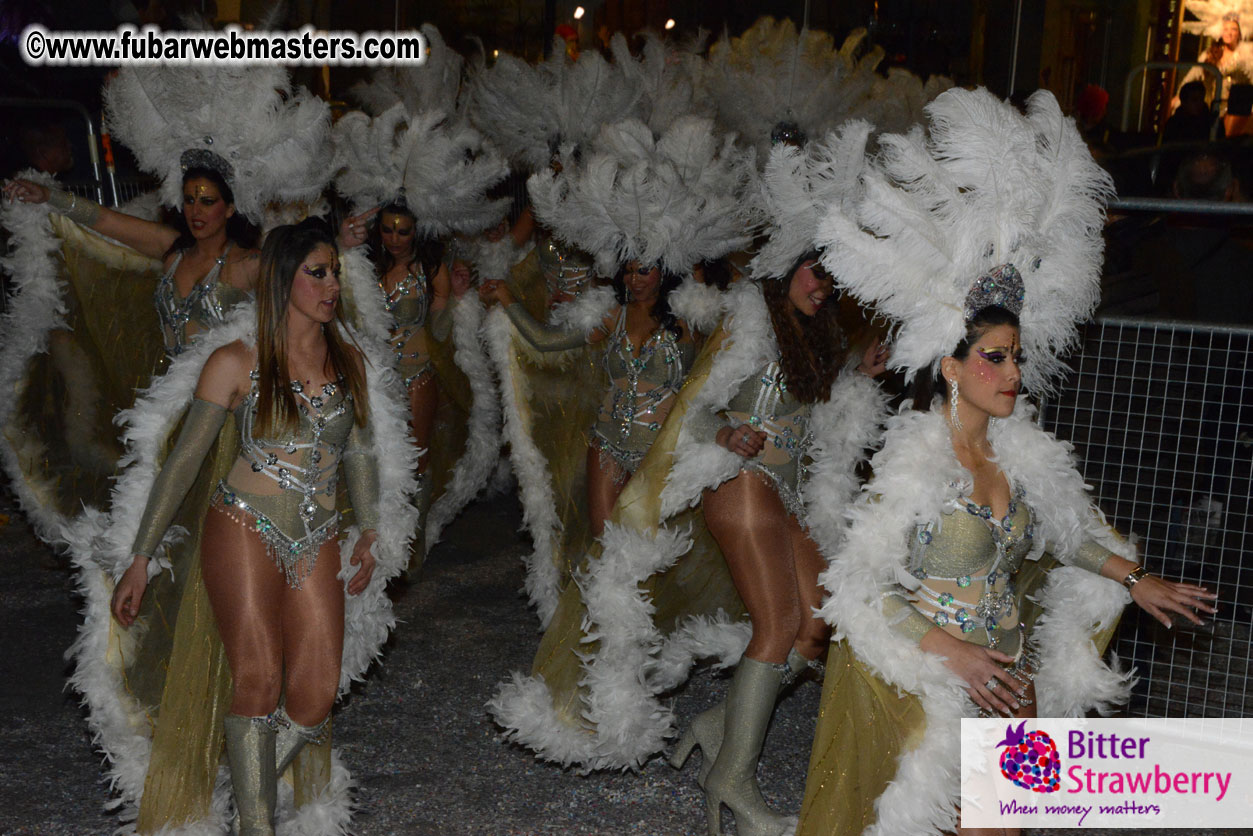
(529, 112)
(1211, 14)
(442, 171)
(433, 85)
(798, 185)
(673, 201)
(775, 82)
(945, 213)
(268, 141)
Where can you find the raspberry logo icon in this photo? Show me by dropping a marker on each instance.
(1030, 759)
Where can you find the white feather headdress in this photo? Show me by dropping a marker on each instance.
(772, 74)
(271, 141)
(1210, 15)
(797, 187)
(529, 112)
(442, 170)
(674, 201)
(434, 85)
(988, 186)
(668, 77)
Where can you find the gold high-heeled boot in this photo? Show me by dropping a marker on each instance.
(250, 753)
(733, 779)
(706, 728)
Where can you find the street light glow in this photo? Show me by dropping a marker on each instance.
(670, 23)
(578, 13)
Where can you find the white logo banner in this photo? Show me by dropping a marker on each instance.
(1126, 773)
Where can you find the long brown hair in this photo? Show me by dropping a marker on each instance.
(812, 348)
(285, 249)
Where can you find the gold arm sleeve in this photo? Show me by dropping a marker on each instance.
(543, 337)
(200, 429)
(1090, 556)
(362, 476)
(80, 210)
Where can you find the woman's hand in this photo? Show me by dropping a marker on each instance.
(461, 278)
(129, 592)
(1157, 597)
(874, 360)
(24, 191)
(363, 557)
(354, 229)
(743, 440)
(495, 290)
(978, 667)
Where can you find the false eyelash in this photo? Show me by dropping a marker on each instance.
(319, 273)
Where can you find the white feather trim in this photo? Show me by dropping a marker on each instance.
(35, 308)
(539, 508)
(586, 312)
(474, 469)
(701, 306)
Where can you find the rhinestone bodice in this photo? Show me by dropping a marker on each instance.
(207, 305)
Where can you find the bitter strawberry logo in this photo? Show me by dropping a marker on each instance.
(1030, 759)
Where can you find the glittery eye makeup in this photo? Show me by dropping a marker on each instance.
(319, 273)
(998, 355)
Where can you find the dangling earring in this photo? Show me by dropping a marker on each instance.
(952, 407)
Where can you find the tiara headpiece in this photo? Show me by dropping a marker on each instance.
(204, 158)
(1001, 287)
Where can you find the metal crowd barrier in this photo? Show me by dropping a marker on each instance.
(1161, 414)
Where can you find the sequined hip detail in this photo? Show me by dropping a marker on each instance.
(420, 377)
(627, 460)
(296, 558)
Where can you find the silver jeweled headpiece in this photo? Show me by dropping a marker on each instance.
(204, 158)
(1002, 287)
(1231, 16)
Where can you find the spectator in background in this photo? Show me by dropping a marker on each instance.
(1192, 120)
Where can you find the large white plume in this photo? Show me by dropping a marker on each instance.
(988, 185)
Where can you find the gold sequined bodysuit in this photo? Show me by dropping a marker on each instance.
(282, 488)
(409, 304)
(964, 567)
(642, 392)
(207, 304)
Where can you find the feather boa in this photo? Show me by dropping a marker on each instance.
(916, 477)
(100, 544)
(36, 307)
(474, 468)
(635, 664)
(539, 506)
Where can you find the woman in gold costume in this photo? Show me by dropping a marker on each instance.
(284, 406)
